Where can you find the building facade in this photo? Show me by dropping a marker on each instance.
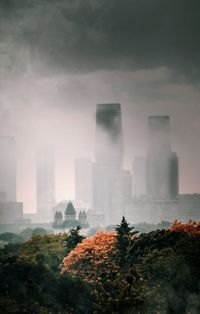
(45, 181)
(11, 212)
(83, 181)
(8, 167)
(139, 176)
(161, 162)
(189, 207)
(108, 199)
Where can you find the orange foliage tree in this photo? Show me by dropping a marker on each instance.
(191, 227)
(92, 257)
(94, 261)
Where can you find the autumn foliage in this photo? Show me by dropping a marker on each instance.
(95, 261)
(90, 256)
(191, 227)
(121, 272)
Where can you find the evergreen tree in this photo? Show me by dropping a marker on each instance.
(74, 237)
(124, 235)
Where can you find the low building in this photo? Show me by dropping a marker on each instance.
(95, 219)
(70, 218)
(58, 220)
(189, 207)
(151, 211)
(82, 218)
(10, 212)
(70, 213)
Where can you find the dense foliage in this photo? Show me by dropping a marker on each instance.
(24, 235)
(111, 272)
(91, 256)
(192, 227)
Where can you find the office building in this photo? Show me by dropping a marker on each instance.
(11, 212)
(8, 167)
(108, 199)
(83, 181)
(109, 137)
(142, 209)
(189, 207)
(45, 180)
(139, 176)
(161, 162)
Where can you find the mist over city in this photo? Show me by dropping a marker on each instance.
(100, 135)
(50, 85)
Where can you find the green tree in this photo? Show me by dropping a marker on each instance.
(124, 236)
(11, 237)
(39, 231)
(26, 234)
(73, 238)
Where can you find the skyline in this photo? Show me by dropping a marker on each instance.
(58, 60)
(59, 169)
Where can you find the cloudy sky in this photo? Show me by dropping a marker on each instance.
(58, 59)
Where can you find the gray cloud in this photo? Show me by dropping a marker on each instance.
(89, 35)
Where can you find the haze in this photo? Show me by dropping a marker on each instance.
(58, 60)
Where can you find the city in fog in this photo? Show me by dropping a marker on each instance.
(105, 190)
(99, 157)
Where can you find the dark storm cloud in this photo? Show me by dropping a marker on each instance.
(88, 35)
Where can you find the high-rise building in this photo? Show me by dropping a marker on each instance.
(109, 137)
(139, 176)
(174, 176)
(11, 212)
(83, 181)
(8, 167)
(189, 207)
(108, 197)
(45, 180)
(159, 135)
(161, 162)
(127, 185)
(3, 197)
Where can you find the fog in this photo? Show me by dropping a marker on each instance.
(59, 60)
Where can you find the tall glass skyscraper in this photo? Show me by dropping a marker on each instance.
(108, 198)
(109, 137)
(161, 162)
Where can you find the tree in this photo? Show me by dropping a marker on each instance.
(49, 246)
(11, 237)
(115, 290)
(39, 231)
(73, 238)
(89, 259)
(191, 227)
(26, 233)
(124, 235)
(8, 305)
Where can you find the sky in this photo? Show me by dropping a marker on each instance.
(58, 59)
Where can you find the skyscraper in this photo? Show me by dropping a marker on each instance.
(161, 162)
(139, 176)
(159, 135)
(8, 167)
(109, 137)
(127, 185)
(174, 176)
(83, 180)
(107, 172)
(45, 180)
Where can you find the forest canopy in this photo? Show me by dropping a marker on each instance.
(111, 272)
